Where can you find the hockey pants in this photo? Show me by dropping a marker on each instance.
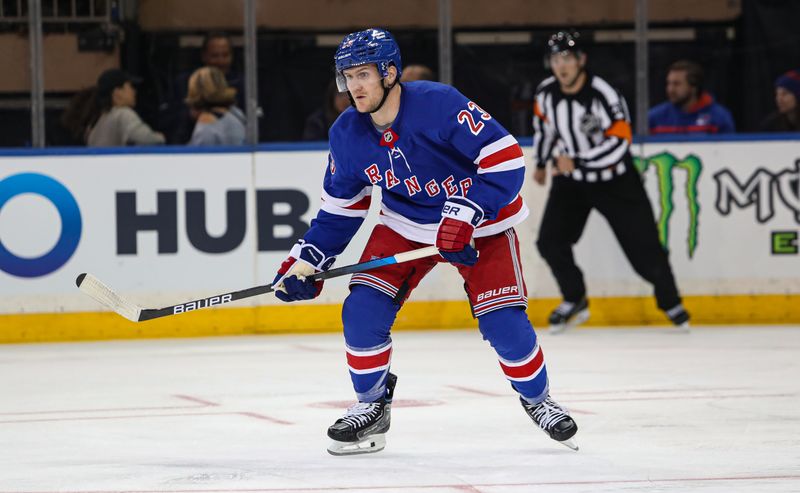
(624, 203)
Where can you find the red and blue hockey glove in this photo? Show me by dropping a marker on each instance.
(460, 217)
(304, 260)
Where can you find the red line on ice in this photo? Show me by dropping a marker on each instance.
(457, 487)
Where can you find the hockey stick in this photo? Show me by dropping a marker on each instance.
(92, 286)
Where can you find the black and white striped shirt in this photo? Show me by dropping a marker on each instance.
(592, 127)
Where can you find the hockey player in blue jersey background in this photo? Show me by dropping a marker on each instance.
(450, 175)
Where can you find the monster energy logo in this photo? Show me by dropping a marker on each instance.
(762, 190)
(664, 164)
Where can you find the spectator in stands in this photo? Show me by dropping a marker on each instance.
(317, 124)
(212, 104)
(117, 124)
(417, 72)
(217, 51)
(689, 109)
(787, 98)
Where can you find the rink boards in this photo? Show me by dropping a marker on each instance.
(163, 226)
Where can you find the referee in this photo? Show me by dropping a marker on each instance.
(582, 123)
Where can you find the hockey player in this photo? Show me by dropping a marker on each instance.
(450, 175)
(586, 121)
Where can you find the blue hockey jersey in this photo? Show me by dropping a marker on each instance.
(441, 144)
(706, 116)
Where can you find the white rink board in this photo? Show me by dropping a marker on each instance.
(94, 181)
(733, 253)
(732, 256)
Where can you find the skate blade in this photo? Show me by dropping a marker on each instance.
(370, 445)
(578, 319)
(569, 443)
(679, 329)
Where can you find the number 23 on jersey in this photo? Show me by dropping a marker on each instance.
(468, 117)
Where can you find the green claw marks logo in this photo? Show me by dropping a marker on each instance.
(664, 164)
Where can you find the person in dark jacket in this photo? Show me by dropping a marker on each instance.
(216, 51)
(786, 118)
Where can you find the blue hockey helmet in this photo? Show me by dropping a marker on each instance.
(373, 45)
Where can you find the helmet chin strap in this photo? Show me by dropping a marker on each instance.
(386, 91)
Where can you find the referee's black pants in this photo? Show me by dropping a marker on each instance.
(624, 203)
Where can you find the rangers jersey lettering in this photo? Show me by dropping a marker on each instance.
(441, 144)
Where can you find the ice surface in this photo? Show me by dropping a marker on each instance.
(717, 410)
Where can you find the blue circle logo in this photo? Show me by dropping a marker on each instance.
(70, 214)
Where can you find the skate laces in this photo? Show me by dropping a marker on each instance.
(547, 413)
(361, 413)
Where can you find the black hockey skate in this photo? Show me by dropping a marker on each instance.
(553, 420)
(679, 317)
(568, 315)
(361, 430)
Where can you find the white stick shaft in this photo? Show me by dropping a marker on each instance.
(415, 254)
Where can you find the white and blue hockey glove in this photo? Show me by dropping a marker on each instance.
(304, 260)
(460, 217)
